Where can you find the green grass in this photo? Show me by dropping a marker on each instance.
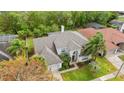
(120, 19)
(85, 73)
(121, 57)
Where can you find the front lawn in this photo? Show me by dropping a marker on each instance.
(121, 57)
(85, 73)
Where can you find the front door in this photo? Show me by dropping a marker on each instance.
(75, 56)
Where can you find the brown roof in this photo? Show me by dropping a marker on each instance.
(111, 36)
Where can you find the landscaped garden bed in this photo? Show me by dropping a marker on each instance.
(85, 73)
(121, 57)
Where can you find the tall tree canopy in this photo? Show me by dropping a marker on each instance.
(95, 46)
(40, 23)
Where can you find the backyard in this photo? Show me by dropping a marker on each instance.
(85, 73)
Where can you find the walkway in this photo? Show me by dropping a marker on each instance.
(74, 68)
(57, 76)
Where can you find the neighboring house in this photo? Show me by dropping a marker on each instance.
(59, 42)
(95, 25)
(4, 44)
(118, 24)
(114, 39)
(121, 12)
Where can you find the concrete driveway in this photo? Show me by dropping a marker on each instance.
(116, 61)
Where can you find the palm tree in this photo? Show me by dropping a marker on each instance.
(95, 46)
(17, 47)
(23, 34)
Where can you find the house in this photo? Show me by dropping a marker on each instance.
(95, 25)
(114, 39)
(118, 24)
(55, 43)
(4, 44)
(121, 12)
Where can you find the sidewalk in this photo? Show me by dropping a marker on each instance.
(117, 62)
(106, 77)
(74, 68)
(57, 76)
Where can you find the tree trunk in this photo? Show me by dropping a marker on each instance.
(26, 50)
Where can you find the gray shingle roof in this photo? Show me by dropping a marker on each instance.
(64, 38)
(95, 25)
(7, 38)
(4, 56)
(50, 56)
(72, 45)
(40, 43)
(116, 22)
(46, 46)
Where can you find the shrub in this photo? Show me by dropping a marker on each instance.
(66, 60)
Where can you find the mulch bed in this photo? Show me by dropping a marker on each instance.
(80, 65)
(71, 66)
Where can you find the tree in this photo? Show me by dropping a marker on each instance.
(12, 22)
(24, 34)
(15, 70)
(66, 60)
(17, 47)
(95, 46)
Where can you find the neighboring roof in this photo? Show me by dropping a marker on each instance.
(117, 23)
(50, 56)
(7, 38)
(95, 25)
(121, 12)
(111, 36)
(4, 56)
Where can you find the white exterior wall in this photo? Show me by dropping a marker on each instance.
(55, 67)
(60, 50)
